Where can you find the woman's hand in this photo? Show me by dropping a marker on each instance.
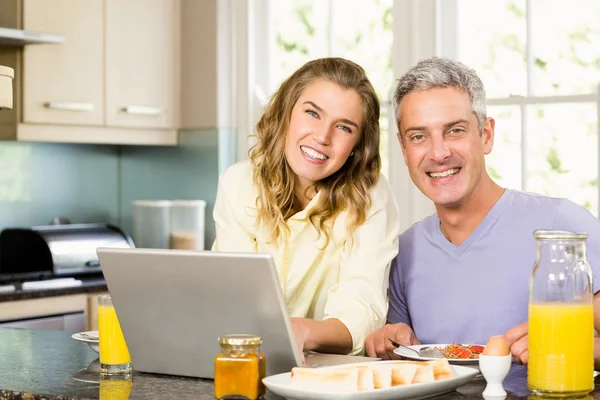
(327, 336)
(302, 334)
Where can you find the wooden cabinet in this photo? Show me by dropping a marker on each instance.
(114, 80)
(64, 84)
(142, 63)
(57, 305)
(43, 307)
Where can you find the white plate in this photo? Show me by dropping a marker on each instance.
(89, 338)
(411, 356)
(279, 384)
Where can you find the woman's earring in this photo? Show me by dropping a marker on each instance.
(352, 153)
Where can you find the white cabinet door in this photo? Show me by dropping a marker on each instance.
(64, 83)
(142, 53)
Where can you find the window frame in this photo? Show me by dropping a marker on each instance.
(421, 29)
(447, 27)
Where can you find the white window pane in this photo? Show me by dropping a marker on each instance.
(491, 39)
(362, 32)
(504, 162)
(563, 152)
(565, 45)
(387, 138)
(301, 34)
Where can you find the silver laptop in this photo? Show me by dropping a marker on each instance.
(174, 304)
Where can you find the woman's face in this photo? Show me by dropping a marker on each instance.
(325, 125)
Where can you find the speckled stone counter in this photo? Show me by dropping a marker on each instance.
(37, 365)
(89, 284)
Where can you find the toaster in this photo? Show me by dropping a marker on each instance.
(57, 250)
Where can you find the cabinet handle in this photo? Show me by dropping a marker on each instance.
(55, 105)
(142, 110)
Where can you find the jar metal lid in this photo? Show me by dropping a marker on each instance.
(557, 234)
(240, 340)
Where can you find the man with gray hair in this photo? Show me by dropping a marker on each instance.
(462, 274)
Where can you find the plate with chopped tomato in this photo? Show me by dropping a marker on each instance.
(456, 353)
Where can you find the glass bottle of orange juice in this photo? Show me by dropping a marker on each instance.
(561, 316)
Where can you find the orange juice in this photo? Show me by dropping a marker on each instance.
(113, 349)
(115, 389)
(561, 348)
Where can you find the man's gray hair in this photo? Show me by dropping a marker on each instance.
(442, 73)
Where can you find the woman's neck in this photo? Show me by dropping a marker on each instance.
(304, 191)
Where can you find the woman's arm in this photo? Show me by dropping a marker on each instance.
(359, 300)
(234, 193)
(327, 336)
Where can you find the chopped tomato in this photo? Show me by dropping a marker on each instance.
(460, 353)
(476, 349)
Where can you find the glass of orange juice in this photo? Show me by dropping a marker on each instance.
(115, 387)
(114, 355)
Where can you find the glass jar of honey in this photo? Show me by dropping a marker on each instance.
(240, 368)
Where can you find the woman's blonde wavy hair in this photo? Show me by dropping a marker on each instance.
(348, 188)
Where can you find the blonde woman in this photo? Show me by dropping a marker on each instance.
(312, 196)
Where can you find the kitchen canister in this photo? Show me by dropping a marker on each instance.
(151, 223)
(187, 224)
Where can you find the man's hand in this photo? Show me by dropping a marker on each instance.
(378, 345)
(516, 338)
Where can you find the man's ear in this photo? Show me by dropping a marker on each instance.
(401, 142)
(487, 135)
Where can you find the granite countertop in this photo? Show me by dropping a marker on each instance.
(40, 364)
(89, 284)
(50, 365)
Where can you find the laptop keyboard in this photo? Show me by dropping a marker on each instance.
(307, 357)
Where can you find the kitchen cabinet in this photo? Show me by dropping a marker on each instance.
(142, 62)
(114, 80)
(53, 311)
(64, 83)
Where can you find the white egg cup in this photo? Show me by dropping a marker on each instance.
(494, 369)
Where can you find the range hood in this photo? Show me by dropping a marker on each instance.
(19, 38)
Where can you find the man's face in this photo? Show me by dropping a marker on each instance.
(442, 145)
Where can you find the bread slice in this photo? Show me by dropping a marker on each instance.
(441, 369)
(424, 373)
(382, 376)
(365, 378)
(403, 373)
(335, 380)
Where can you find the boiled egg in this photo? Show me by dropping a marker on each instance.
(496, 346)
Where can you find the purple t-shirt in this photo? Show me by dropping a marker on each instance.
(467, 293)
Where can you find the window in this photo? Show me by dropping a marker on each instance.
(538, 60)
(354, 29)
(540, 64)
